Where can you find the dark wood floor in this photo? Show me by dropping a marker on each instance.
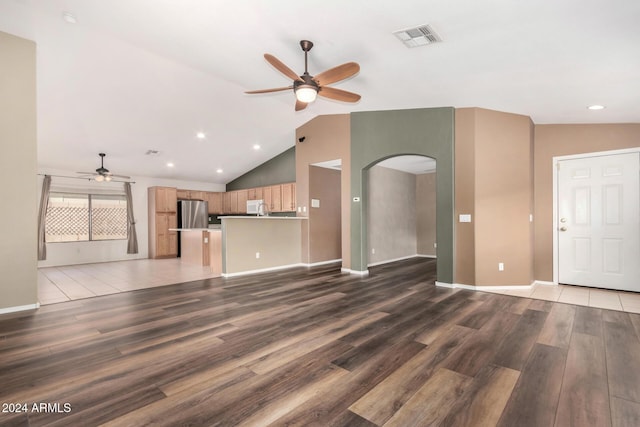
(317, 347)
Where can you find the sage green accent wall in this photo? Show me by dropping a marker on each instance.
(277, 170)
(378, 135)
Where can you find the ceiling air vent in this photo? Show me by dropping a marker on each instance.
(152, 152)
(418, 36)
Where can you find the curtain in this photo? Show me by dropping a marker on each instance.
(42, 215)
(132, 242)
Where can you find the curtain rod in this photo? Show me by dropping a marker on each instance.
(78, 177)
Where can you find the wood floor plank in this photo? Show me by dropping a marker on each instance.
(624, 413)
(558, 326)
(535, 398)
(588, 321)
(379, 404)
(514, 350)
(430, 404)
(482, 404)
(584, 398)
(622, 350)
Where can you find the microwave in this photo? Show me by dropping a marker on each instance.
(253, 207)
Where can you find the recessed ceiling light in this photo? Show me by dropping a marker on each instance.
(201, 135)
(219, 170)
(170, 164)
(596, 107)
(69, 17)
(256, 146)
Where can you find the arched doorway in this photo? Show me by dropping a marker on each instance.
(378, 135)
(401, 209)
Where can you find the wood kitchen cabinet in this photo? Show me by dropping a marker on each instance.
(165, 199)
(255, 193)
(230, 202)
(190, 194)
(214, 202)
(162, 206)
(288, 197)
(242, 196)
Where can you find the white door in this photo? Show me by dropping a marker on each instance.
(599, 221)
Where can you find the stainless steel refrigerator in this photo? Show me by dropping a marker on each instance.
(192, 214)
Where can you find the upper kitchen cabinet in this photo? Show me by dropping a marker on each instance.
(255, 193)
(242, 196)
(190, 194)
(230, 202)
(214, 202)
(165, 198)
(288, 192)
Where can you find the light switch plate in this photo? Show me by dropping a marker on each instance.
(315, 203)
(465, 217)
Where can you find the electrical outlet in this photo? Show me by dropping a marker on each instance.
(257, 255)
(501, 266)
(373, 251)
(435, 245)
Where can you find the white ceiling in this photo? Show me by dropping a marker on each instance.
(134, 75)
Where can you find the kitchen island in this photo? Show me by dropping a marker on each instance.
(201, 246)
(252, 244)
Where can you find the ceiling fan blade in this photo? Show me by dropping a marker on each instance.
(338, 73)
(119, 176)
(300, 105)
(86, 173)
(338, 94)
(277, 89)
(281, 67)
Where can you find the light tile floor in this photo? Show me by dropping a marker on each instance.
(66, 283)
(579, 295)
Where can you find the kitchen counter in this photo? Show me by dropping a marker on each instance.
(201, 246)
(260, 243)
(262, 217)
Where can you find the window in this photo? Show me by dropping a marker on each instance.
(85, 217)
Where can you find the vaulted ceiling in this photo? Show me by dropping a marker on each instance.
(137, 75)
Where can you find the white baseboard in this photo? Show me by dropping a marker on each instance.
(387, 261)
(358, 272)
(445, 285)
(544, 283)
(263, 270)
(426, 256)
(14, 309)
(331, 261)
(484, 288)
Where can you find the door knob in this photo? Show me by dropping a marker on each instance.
(563, 228)
(563, 219)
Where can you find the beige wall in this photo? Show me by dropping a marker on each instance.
(276, 240)
(465, 259)
(562, 140)
(324, 225)
(18, 169)
(326, 138)
(426, 213)
(391, 222)
(500, 144)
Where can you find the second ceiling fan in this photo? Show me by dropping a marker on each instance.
(306, 87)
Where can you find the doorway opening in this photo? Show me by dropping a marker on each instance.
(325, 212)
(401, 209)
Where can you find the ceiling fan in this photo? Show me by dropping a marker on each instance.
(306, 87)
(102, 173)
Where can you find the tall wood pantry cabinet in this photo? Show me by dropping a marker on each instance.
(162, 202)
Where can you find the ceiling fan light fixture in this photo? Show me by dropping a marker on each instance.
(107, 178)
(306, 93)
(99, 178)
